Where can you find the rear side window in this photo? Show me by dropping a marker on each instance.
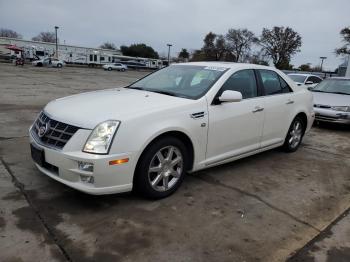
(243, 81)
(314, 79)
(273, 84)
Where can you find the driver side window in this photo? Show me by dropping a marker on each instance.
(243, 81)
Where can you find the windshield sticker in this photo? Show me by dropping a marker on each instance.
(216, 68)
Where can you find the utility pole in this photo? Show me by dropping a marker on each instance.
(56, 27)
(322, 58)
(169, 45)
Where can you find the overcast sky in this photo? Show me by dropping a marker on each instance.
(183, 23)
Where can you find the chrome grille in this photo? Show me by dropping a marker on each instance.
(57, 133)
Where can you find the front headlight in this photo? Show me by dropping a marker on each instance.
(101, 137)
(341, 108)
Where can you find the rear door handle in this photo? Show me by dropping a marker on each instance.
(258, 109)
(289, 102)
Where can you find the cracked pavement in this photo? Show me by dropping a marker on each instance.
(269, 207)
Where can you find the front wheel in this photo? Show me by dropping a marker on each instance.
(123, 69)
(294, 136)
(109, 68)
(161, 168)
(59, 65)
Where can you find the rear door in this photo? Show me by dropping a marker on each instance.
(278, 104)
(235, 128)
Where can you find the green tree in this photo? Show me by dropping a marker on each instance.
(9, 33)
(214, 47)
(345, 49)
(108, 45)
(139, 50)
(239, 43)
(280, 44)
(184, 54)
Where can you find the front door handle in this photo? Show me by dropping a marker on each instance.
(290, 102)
(258, 109)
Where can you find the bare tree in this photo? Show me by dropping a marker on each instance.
(49, 37)
(108, 45)
(280, 44)
(9, 33)
(258, 58)
(239, 43)
(345, 49)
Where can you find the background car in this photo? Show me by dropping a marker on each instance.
(115, 66)
(49, 62)
(309, 80)
(332, 100)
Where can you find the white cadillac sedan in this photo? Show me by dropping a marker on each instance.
(182, 118)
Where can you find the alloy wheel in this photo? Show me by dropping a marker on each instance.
(296, 134)
(165, 168)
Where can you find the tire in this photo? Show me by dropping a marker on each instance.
(59, 65)
(39, 64)
(109, 68)
(155, 165)
(294, 136)
(123, 69)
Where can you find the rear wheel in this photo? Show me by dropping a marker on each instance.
(161, 168)
(295, 135)
(123, 69)
(109, 68)
(59, 65)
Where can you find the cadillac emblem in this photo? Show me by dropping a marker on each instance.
(43, 129)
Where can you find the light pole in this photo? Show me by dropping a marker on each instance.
(322, 58)
(56, 27)
(169, 45)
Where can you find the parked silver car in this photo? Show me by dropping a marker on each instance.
(49, 62)
(115, 66)
(332, 100)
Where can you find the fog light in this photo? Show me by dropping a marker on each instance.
(87, 179)
(84, 166)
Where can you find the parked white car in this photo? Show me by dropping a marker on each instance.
(183, 118)
(306, 80)
(115, 66)
(49, 62)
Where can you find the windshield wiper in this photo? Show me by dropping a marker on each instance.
(163, 92)
(340, 93)
(313, 90)
(135, 87)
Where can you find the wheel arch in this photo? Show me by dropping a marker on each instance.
(182, 136)
(303, 117)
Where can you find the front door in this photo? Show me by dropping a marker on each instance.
(235, 128)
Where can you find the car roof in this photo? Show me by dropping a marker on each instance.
(340, 77)
(297, 74)
(230, 65)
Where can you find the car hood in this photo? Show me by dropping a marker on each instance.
(330, 99)
(86, 110)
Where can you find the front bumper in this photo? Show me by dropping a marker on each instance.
(63, 166)
(331, 116)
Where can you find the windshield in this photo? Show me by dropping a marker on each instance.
(298, 78)
(340, 86)
(186, 81)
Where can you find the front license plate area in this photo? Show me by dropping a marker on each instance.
(38, 155)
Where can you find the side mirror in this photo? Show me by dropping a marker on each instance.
(230, 96)
(309, 83)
